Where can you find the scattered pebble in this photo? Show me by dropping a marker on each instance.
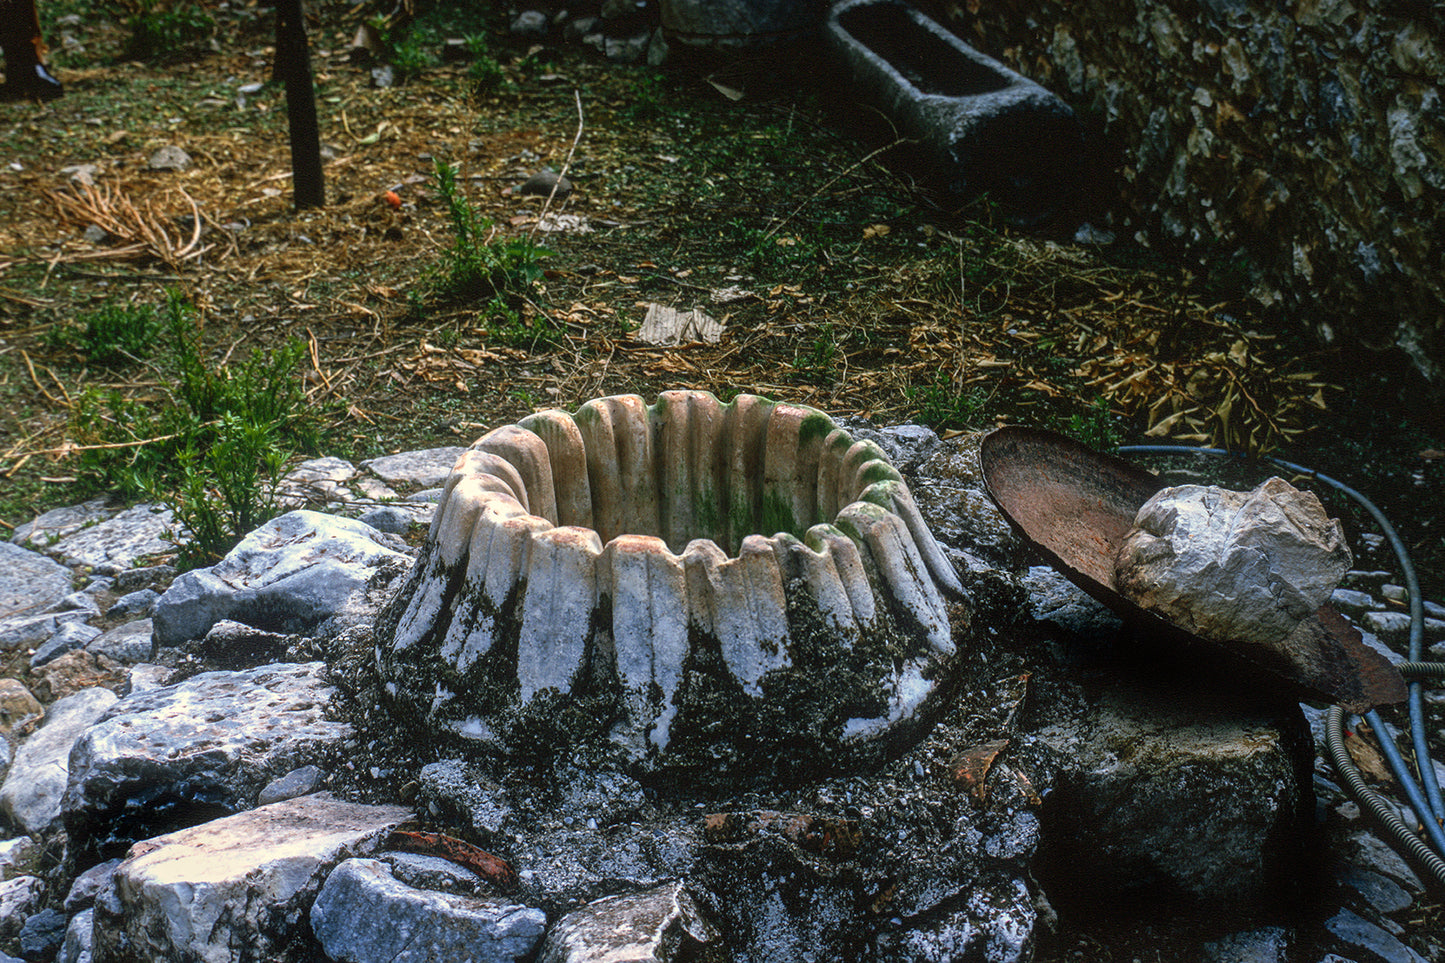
(169, 158)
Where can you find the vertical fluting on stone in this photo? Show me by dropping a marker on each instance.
(686, 435)
(648, 588)
(832, 493)
(848, 562)
(813, 565)
(721, 538)
(752, 614)
(741, 454)
(618, 440)
(938, 564)
(568, 455)
(792, 448)
(896, 563)
(557, 609)
(501, 547)
(528, 454)
(447, 543)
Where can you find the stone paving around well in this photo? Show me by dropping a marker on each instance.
(176, 783)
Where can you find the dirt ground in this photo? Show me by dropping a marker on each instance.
(838, 279)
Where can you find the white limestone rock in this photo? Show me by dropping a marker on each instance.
(427, 468)
(55, 524)
(26, 631)
(674, 558)
(286, 576)
(79, 939)
(15, 854)
(661, 925)
(213, 741)
(31, 795)
(234, 889)
(19, 897)
(30, 582)
(996, 925)
(100, 533)
(114, 544)
(322, 478)
(127, 643)
(364, 914)
(67, 638)
(1233, 565)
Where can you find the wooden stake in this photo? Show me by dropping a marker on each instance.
(293, 64)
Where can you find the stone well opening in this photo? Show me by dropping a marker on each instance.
(701, 588)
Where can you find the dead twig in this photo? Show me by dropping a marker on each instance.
(30, 367)
(140, 228)
(566, 165)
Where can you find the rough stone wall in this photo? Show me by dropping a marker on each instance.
(1297, 146)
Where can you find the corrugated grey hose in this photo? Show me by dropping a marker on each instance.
(1428, 805)
(1378, 806)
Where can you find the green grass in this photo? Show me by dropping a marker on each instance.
(111, 335)
(941, 404)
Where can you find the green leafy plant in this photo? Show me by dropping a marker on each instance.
(815, 363)
(479, 263)
(211, 447)
(1098, 427)
(942, 404)
(484, 70)
(112, 334)
(411, 58)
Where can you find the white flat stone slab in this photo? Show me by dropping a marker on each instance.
(234, 889)
(30, 582)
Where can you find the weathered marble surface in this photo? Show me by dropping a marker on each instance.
(721, 586)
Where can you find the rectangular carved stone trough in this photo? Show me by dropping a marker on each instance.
(985, 128)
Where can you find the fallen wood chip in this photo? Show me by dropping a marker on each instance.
(493, 869)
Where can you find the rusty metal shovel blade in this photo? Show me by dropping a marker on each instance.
(1076, 505)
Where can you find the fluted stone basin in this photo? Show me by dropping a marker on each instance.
(702, 587)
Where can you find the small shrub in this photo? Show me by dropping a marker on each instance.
(942, 404)
(815, 363)
(484, 70)
(211, 446)
(479, 264)
(411, 58)
(1098, 427)
(164, 29)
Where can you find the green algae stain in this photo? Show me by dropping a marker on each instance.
(778, 514)
(706, 513)
(814, 426)
(878, 471)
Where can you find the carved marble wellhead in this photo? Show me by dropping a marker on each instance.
(703, 587)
